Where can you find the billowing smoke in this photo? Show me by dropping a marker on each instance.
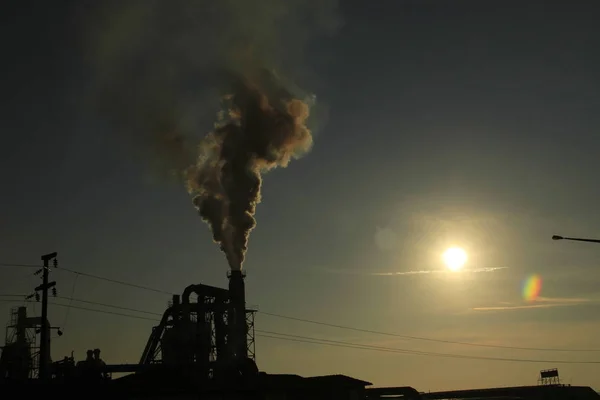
(163, 68)
(261, 129)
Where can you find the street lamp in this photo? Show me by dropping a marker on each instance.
(556, 237)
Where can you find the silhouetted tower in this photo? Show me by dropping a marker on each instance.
(45, 326)
(16, 360)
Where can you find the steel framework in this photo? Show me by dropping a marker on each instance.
(20, 346)
(197, 332)
(250, 341)
(549, 377)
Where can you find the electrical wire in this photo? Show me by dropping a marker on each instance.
(110, 306)
(337, 343)
(106, 312)
(71, 299)
(20, 265)
(64, 325)
(118, 282)
(425, 338)
(408, 337)
(408, 351)
(92, 310)
(432, 354)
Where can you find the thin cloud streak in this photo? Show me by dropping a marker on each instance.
(546, 303)
(562, 300)
(417, 272)
(435, 271)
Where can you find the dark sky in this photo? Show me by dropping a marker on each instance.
(449, 123)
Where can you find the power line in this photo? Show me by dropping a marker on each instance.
(64, 325)
(110, 305)
(106, 312)
(425, 353)
(303, 339)
(424, 338)
(20, 265)
(118, 282)
(324, 323)
(93, 310)
(87, 302)
(337, 343)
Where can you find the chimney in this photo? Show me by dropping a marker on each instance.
(237, 315)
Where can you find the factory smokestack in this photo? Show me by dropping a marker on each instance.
(261, 127)
(238, 328)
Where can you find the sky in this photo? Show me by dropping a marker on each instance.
(438, 124)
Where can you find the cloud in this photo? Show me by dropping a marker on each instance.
(562, 300)
(546, 302)
(415, 272)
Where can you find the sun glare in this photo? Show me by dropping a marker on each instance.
(454, 258)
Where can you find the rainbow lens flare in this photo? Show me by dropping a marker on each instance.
(532, 287)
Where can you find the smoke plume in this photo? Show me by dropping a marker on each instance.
(162, 69)
(261, 131)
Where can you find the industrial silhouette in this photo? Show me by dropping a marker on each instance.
(201, 348)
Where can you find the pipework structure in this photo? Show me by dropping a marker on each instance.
(20, 353)
(213, 336)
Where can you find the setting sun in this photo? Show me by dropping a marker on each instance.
(455, 258)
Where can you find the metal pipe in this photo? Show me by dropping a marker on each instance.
(220, 333)
(202, 339)
(202, 290)
(153, 340)
(237, 315)
(556, 237)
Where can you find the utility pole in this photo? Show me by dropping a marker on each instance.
(44, 358)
